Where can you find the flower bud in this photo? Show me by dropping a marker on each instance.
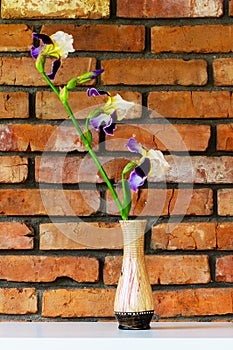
(40, 62)
(64, 94)
(86, 77)
(72, 84)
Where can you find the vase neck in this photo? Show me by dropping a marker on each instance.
(133, 237)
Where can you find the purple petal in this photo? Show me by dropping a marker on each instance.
(139, 175)
(134, 146)
(95, 92)
(98, 121)
(55, 66)
(96, 72)
(135, 181)
(108, 129)
(35, 51)
(43, 37)
(143, 168)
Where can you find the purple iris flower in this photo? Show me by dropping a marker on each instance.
(151, 163)
(46, 40)
(56, 46)
(139, 174)
(115, 109)
(35, 51)
(55, 66)
(103, 119)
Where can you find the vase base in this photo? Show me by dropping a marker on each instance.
(134, 320)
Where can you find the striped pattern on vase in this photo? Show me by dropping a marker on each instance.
(134, 293)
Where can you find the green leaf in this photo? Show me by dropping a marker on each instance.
(127, 201)
(127, 196)
(88, 136)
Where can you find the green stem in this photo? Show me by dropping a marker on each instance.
(50, 84)
(89, 149)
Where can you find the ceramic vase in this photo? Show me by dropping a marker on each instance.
(134, 306)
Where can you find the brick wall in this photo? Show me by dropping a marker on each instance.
(60, 244)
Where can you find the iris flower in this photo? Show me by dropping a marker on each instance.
(151, 163)
(55, 46)
(115, 109)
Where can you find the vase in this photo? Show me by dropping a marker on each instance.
(134, 306)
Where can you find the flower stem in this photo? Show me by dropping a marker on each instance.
(89, 149)
(95, 159)
(50, 84)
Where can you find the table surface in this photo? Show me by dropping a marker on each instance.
(73, 333)
(163, 330)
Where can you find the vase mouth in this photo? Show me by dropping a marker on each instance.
(133, 220)
(132, 230)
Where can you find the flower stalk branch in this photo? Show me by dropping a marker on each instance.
(88, 147)
(152, 162)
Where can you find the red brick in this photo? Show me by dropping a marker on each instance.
(190, 104)
(15, 37)
(213, 169)
(88, 302)
(144, 204)
(48, 268)
(58, 9)
(71, 170)
(225, 137)
(13, 169)
(154, 72)
(230, 8)
(191, 202)
(202, 38)
(223, 71)
(156, 202)
(102, 37)
(177, 137)
(185, 236)
(164, 269)
(22, 71)
(224, 269)
(47, 106)
(14, 105)
(198, 169)
(48, 202)
(41, 137)
(225, 235)
(18, 301)
(169, 8)
(225, 202)
(81, 235)
(16, 235)
(193, 302)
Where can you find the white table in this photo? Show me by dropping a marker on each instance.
(106, 335)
